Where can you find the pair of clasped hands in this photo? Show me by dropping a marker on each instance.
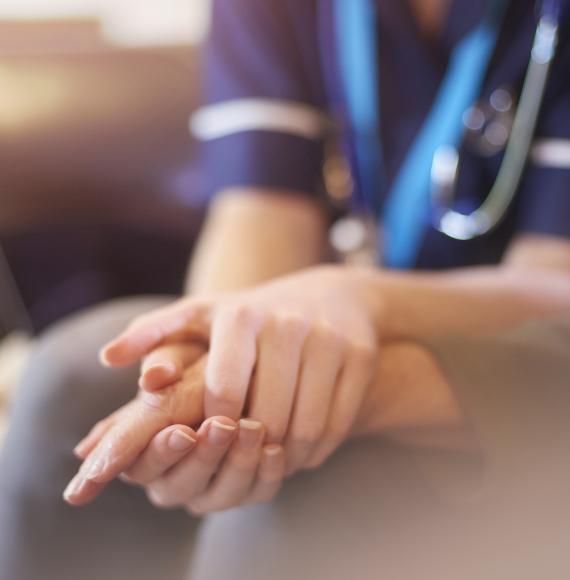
(237, 391)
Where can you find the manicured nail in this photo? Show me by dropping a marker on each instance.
(73, 488)
(104, 356)
(250, 433)
(273, 451)
(220, 434)
(180, 441)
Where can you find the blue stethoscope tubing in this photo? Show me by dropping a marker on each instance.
(412, 198)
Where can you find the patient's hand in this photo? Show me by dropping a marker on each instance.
(149, 441)
(116, 442)
(246, 471)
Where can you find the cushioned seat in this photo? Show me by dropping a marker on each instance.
(98, 191)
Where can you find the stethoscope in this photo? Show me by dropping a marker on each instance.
(425, 189)
(488, 133)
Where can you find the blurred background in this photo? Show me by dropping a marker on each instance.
(99, 192)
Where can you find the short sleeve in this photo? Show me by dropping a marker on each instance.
(263, 121)
(545, 193)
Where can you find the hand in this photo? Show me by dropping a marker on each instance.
(115, 443)
(310, 337)
(224, 468)
(221, 466)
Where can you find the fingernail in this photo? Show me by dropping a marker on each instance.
(104, 355)
(73, 488)
(273, 451)
(180, 441)
(166, 368)
(109, 351)
(157, 373)
(220, 434)
(78, 449)
(94, 469)
(250, 433)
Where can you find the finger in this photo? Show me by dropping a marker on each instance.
(90, 441)
(115, 452)
(353, 382)
(140, 421)
(144, 418)
(165, 450)
(231, 360)
(234, 481)
(81, 491)
(322, 360)
(192, 475)
(274, 385)
(184, 319)
(269, 476)
(165, 365)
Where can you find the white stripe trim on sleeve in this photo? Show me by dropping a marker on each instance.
(551, 153)
(241, 115)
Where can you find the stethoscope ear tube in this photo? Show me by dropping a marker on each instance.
(493, 210)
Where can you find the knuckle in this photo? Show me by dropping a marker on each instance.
(330, 338)
(240, 313)
(290, 326)
(155, 403)
(224, 389)
(224, 397)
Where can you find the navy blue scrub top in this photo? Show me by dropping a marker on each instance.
(270, 67)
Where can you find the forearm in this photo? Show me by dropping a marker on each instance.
(252, 236)
(475, 301)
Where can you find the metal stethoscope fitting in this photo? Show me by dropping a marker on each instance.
(487, 130)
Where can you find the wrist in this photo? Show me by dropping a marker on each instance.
(365, 284)
(409, 398)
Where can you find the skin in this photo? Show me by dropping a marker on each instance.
(247, 470)
(276, 352)
(283, 328)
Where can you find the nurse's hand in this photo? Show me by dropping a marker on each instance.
(223, 470)
(297, 354)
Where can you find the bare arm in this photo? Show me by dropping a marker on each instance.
(534, 281)
(252, 236)
(411, 398)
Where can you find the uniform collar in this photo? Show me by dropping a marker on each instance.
(396, 19)
(462, 17)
